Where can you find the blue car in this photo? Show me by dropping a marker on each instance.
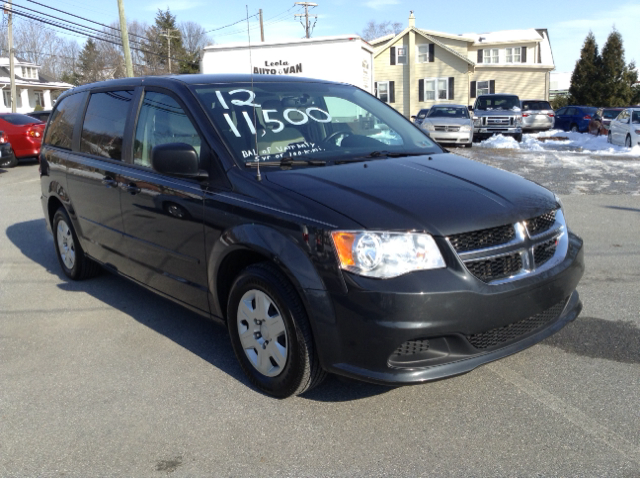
(574, 118)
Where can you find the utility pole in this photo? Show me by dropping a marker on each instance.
(12, 72)
(169, 37)
(306, 15)
(261, 27)
(124, 34)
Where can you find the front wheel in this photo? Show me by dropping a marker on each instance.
(270, 333)
(627, 141)
(75, 264)
(574, 128)
(518, 137)
(609, 138)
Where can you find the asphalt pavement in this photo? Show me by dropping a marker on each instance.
(103, 378)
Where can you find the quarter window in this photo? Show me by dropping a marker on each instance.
(161, 120)
(103, 128)
(482, 88)
(62, 122)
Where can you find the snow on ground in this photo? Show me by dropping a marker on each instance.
(575, 142)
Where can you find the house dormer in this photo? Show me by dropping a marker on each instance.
(27, 71)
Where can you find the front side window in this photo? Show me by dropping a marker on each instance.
(383, 91)
(423, 53)
(104, 122)
(162, 120)
(63, 120)
(401, 54)
(483, 88)
(635, 117)
(274, 122)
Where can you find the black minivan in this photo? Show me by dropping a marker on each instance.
(325, 230)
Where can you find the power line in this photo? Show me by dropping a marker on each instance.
(231, 24)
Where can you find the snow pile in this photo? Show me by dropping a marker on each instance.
(575, 142)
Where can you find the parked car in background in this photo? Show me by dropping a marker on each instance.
(419, 118)
(497, 114)
(599, 124)
(625, 129)
(449, 124)
(42, 115)
(24, 133)
(7, 158)
(574, 118)
(537, 115)
(270, 207)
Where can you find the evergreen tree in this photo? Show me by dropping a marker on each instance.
(586, 86)
(91, 66)
(158, 40)
(617, 78)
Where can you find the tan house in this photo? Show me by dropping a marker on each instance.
(418, 68)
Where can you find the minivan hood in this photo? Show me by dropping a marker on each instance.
(442, 194)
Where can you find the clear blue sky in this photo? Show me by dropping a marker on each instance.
(568, 22)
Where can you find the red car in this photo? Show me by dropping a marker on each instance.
(24, 134)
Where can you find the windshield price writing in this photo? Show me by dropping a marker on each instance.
(293, 116)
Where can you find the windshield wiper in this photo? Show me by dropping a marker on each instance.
(382, 155)
(287, 162)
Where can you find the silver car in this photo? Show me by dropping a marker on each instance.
(537, 115)
(449, 124)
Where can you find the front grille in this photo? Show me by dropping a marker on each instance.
(446, 128)
(499, 120)
(496, 268)
(482, 238)
(414, 346)
(513, 331)
(544, 252)
(541, 223)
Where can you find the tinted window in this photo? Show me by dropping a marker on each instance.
(161, 121)
(103, 128)
(610, 114)
(63, 119)
(423, 114)
(570, 111)
(536, 105)
(448, 112)
(561, 111)
(17, 119)
(635, 118)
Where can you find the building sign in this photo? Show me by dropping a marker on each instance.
(278, 68)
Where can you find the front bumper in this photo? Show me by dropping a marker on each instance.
(447, 308)
(488, 132)
(460, 137)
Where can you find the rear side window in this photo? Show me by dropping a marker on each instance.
(17, 119)
(103, 127)
(63, 120)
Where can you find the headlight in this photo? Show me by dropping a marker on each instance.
(477, 121)
(518, 120)
(559, 201)
(429, 127)
(465, 128)
(380, 254)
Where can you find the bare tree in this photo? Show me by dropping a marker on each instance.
(375, 30)
(193, 37)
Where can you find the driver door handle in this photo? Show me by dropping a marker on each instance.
(131, 188)
(109, 182)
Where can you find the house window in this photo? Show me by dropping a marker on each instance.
(39, 96)
(423, 53)
(7, 99)
(483, 88)
(401, 55)
(513, 55)
(495, 55)
(436, 88)
(383, 91)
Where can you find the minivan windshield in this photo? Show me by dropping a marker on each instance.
(272, 121)
(498, 102)
(448, 112)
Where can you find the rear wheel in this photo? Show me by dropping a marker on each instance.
(518, 137)
(271, 334)
(574, 128)
(609, 139)
(75, 264)
(8, 161)
(627, 141)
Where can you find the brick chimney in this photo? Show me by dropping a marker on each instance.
(412, 20)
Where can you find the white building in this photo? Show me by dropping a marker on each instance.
(560, 83)
(32, 88)
(344, 58)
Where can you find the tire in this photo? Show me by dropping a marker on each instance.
(574, 128)
(75, 264)
(627, 141)
(273, 343)
(609, 138)
(468, 145)
(8, 161)
(518, 137)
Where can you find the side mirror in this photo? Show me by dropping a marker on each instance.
(177, 159)
(413, 117)
(470, 107)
